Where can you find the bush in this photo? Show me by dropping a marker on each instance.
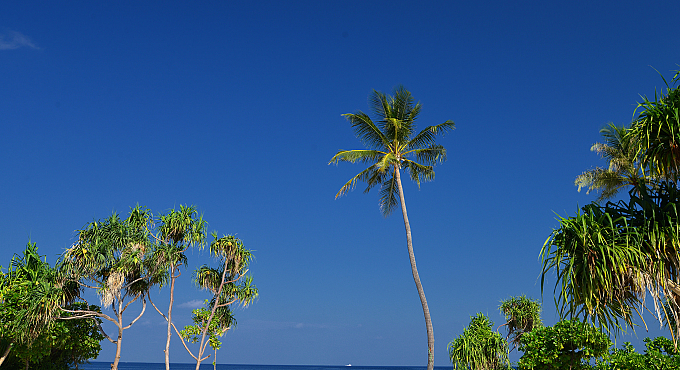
(659, 355)
(568, 345)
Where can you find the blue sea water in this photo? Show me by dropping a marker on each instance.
(209, 366)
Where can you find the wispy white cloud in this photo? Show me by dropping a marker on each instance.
(14, 40)
(195, 303)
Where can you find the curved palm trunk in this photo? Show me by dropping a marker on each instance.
(416, 278)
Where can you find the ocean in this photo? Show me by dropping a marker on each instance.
(209, 366)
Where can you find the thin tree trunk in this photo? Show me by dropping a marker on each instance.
(172, 299)
(416, 278)
(201, 346)
(6, 353)
(114, 366)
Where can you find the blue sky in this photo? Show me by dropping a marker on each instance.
(235, 107)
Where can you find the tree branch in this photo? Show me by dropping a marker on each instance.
(183, 342)
(154, 306)
(82, 314)
(140, 314)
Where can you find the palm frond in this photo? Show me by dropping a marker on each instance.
(431, 155)
(377, 177)
(479, 347)
(380, 105)
(389, 141)
(353, 156)
(389, 195)
(418, 172)
(208, 278)
(427, 136)
(368, 175)
(599, 179)
(367, 132)
(657, 131)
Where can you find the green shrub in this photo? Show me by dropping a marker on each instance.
(659, 355)
(568, 345)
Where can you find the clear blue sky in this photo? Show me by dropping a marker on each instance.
(235, 107)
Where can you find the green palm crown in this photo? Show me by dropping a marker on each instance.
(392, 145)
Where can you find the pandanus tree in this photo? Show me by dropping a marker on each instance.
(109, 257)
(177, 231)
(522, 315)
(608, 257)
(217, 327)
(392, 146)
(479, 347)
(228, 285)
(29, 291)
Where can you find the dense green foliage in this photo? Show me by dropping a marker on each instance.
(192, 333)
(29, 331)
(112, 257)
(567, 345)
(608, 256)
(45, 321)
(216, 327)
(660, 354)
(522, 315)
(63, 345)
(479, 347)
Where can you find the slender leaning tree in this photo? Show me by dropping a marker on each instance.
(391, 145)
(178, 231)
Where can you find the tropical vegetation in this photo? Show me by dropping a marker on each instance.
(568, 345)
(392, 145)
(177, 232)
(46, 322)
(28, 334)
(610, 255)
(228, 284)
(479, 347)
(660, 353)
(522, 315)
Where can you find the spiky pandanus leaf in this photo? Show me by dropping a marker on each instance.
(479, 347)
(607, 258)
(656, 130)
(522, 315)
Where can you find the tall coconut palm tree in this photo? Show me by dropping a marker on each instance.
(391, 147)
